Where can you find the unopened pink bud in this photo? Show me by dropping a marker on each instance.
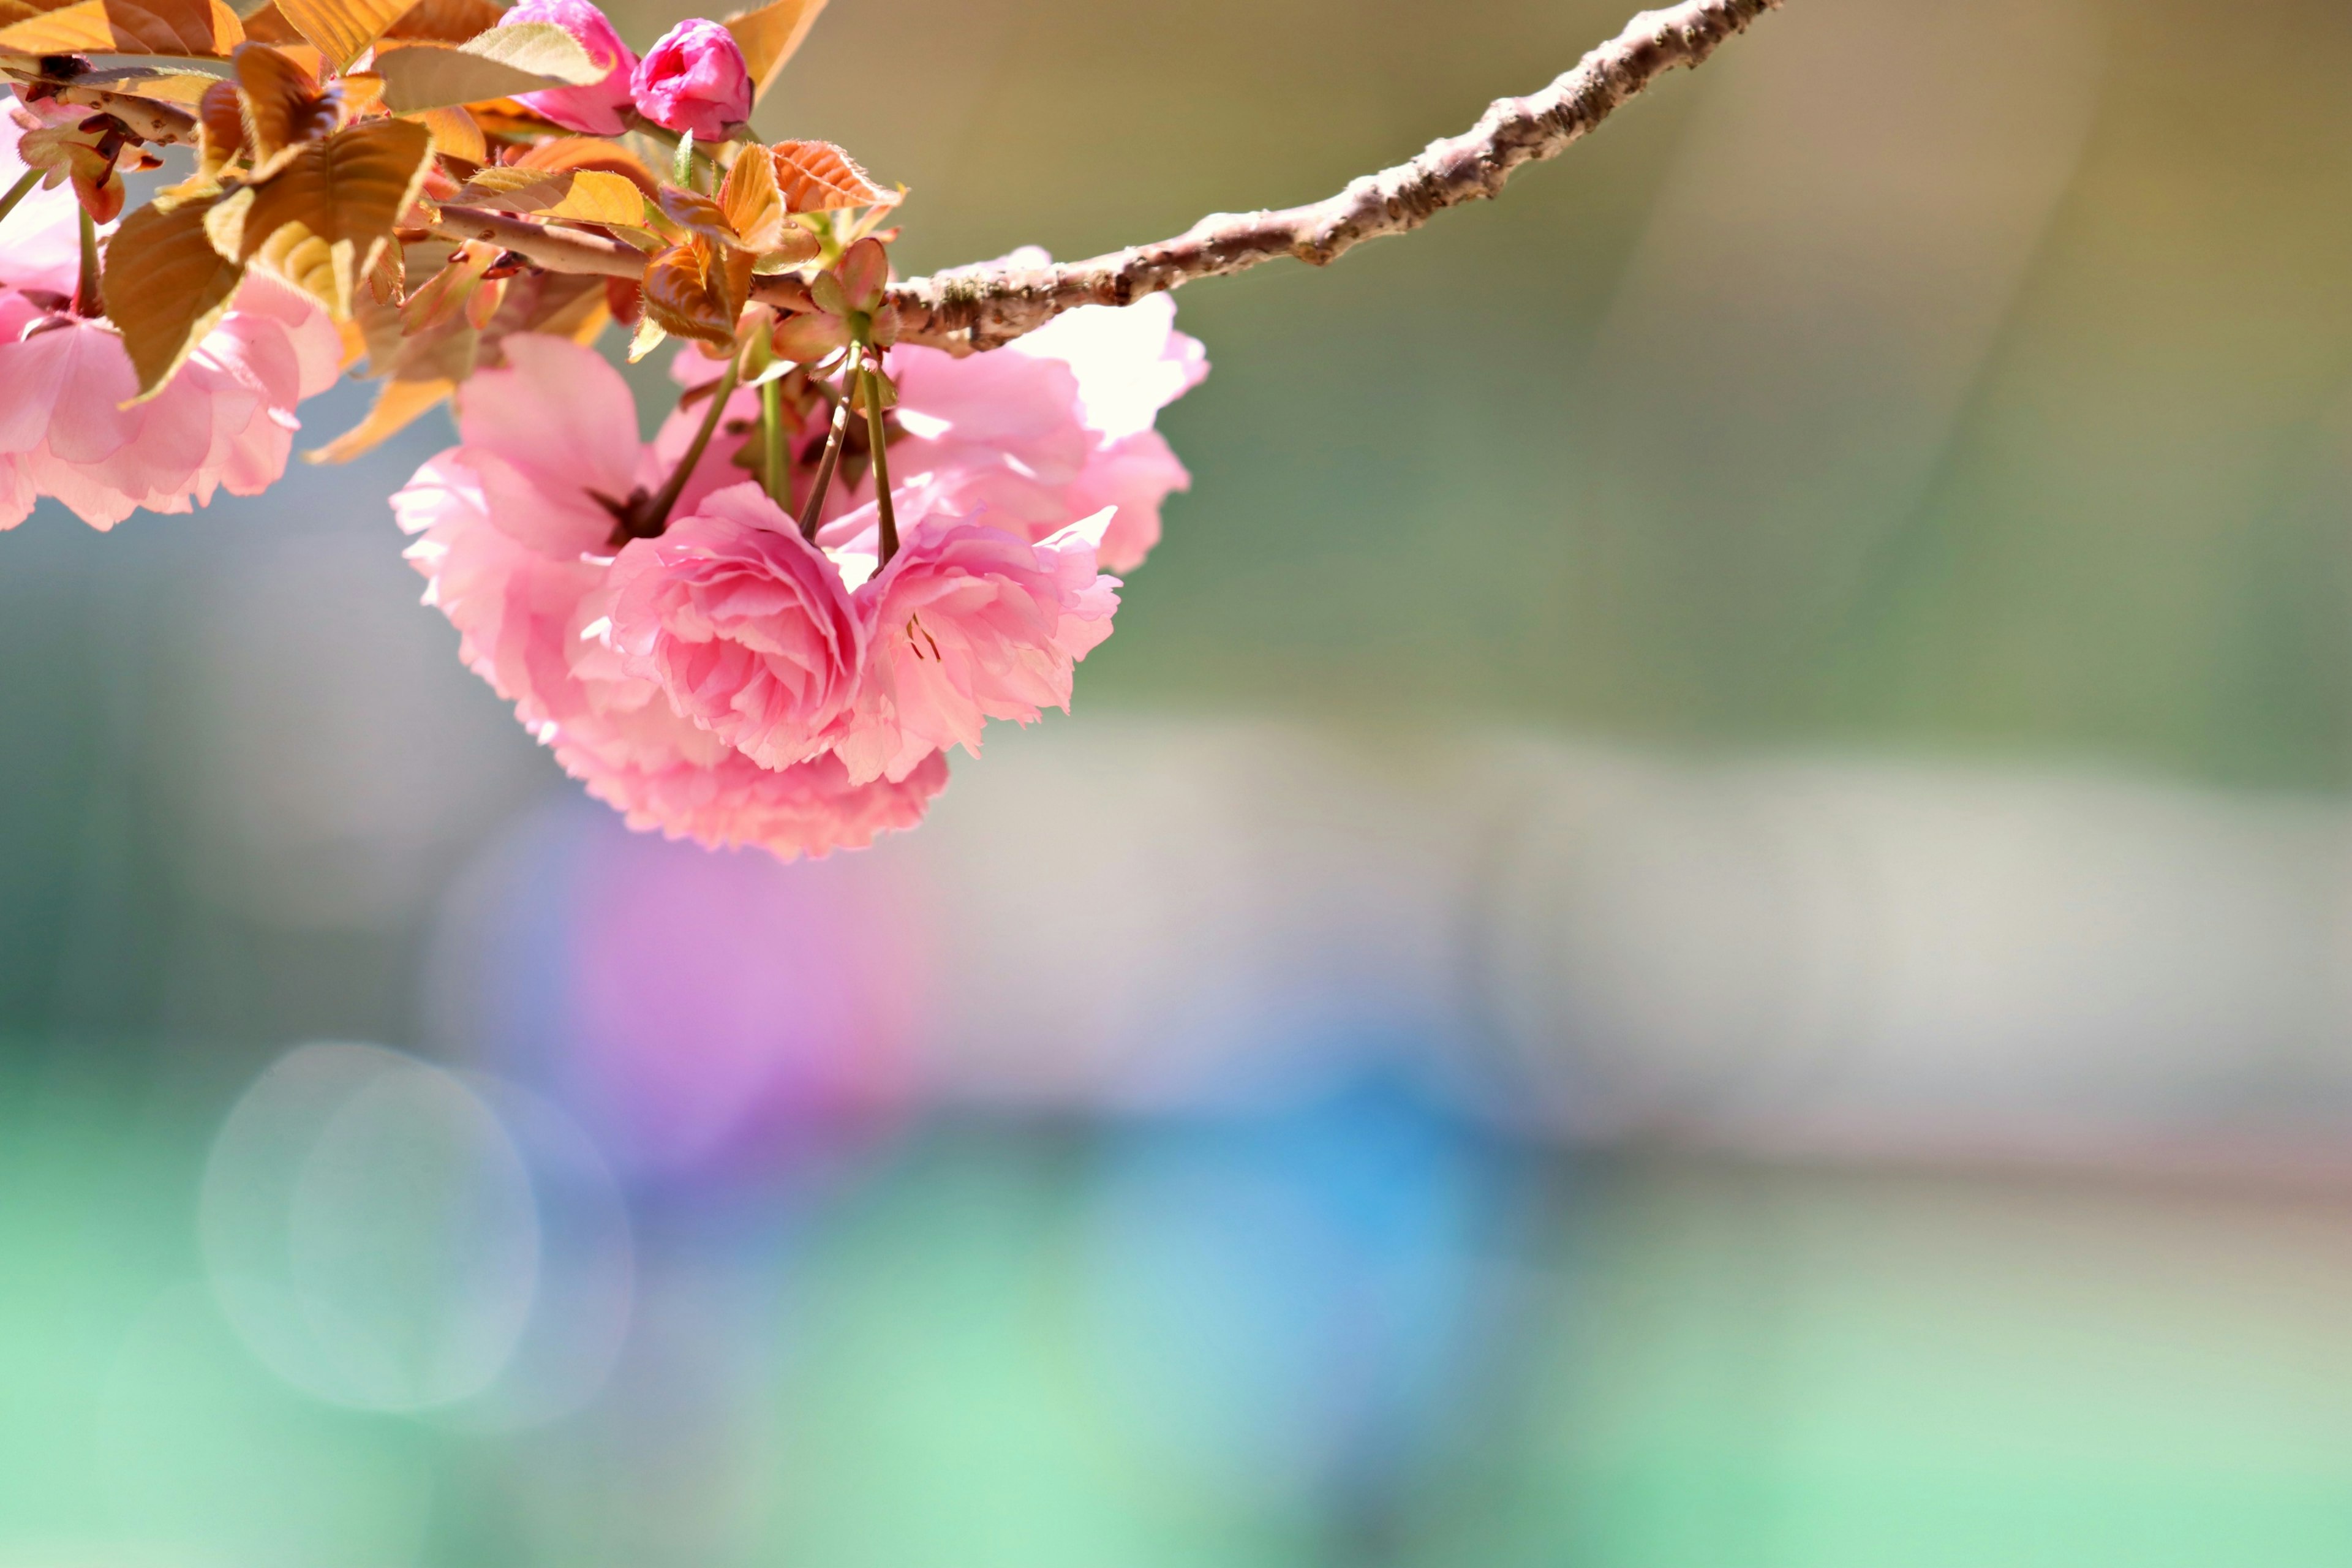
(694, 79)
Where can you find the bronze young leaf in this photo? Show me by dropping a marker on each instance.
(346, 192)
(340, 29)
(445, 21)
(269, 26)
(687, 291)
(590, 153)
(456, 134)
(282, 105)
(197, 27)
(166, 286)
(80, 28)
(817, 176)
(753, 206)
(220, 116)
(698, 215)
(502, 62)
(769, 35)
(582, 195)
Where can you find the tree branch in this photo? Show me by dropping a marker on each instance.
(985, 306)
(990, 304)
(557, 249)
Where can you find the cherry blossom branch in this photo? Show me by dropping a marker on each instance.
(989, 304)
(557, 249)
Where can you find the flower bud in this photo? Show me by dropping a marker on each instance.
(694, 79)
(595, 110)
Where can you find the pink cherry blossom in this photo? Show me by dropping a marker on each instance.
(968, 623)
(1054, 427)
(811, 808)
(1130, 360)
(226, 418)
(551, 437)
(694, 79)
(1132, 476)
(743, 624)
(596, 108)
(493, 519)
(1004, 432)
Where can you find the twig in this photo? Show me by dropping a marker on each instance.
(985, 306)
(990, 304)
(557, 249)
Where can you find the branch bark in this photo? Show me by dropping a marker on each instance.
(985, 306)
(989, 304)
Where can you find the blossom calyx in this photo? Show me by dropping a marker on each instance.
(842, 305)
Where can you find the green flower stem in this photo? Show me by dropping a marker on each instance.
(18, 192)
(772, 443)
(657, 510)
(873, 385)
(813, 515)
(87, 301)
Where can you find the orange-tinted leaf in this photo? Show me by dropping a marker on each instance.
(484, 303)
(768, 36)
(500, 184)
(362, 91)
(526, 57)
(583, 195)
(166, 286)
(398, 405)
(587, 153)
(172, 27)
(346, 192)
(446, 21)
(443, 294)
(754, 208)
(817, 176)
(387, 277)
(280, 101)
(505, 117)
(698, 216)
(684, 294)
(340, 29)
(455, 135)
(80, 28)
(220, 118)
(270, 26)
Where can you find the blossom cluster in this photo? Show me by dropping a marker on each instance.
(226, 419)
(839, 559)
(734, 680)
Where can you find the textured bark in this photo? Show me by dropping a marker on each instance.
(988, 305)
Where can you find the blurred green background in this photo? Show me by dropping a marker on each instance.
(1932, 392)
